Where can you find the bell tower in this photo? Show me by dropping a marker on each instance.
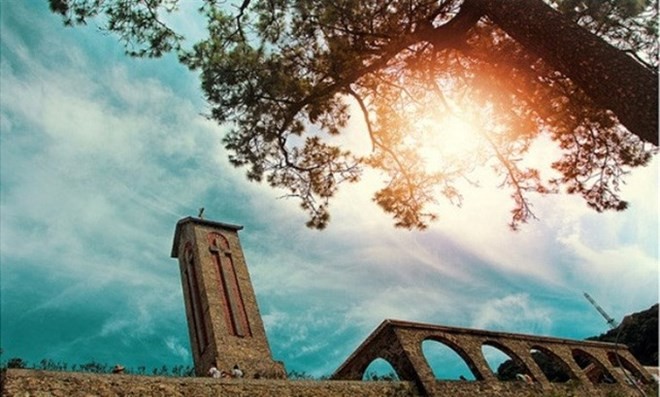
(224, 323)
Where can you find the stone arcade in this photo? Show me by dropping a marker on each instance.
(226, 329)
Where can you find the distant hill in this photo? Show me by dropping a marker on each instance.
(639, 331)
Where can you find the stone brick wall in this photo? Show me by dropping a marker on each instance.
(224, 322)
(34, 383)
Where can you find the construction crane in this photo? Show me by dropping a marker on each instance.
(612, 323)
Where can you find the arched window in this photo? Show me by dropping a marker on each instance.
(552, 366)
(228, 286)
(380, 369)
(592, 368)
(503, 363)
(447, 361)
(194, 299)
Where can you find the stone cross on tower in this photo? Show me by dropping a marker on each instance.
(221, 308)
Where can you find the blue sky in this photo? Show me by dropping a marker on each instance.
(102, 154)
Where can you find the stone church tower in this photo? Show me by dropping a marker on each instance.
(221, 308)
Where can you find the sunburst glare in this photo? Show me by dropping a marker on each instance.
(447, 139)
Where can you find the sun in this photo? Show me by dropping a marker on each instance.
(446, 140)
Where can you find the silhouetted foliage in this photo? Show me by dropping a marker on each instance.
(287, 75)
(299, 375)
(508, 370)
(50, 365)
(180, 370)
(16, 362)
(553, 370)
(619, 22)
(97, 367)
(373, 376)
(639, 331)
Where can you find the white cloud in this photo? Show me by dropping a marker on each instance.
(98, 166)
(116, 326)
(511, 313)
(174, 345)
(619, 267)
(93, 180)
(425, 301)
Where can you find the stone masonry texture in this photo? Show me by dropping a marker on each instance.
(34, 383)
(400, 344)
(224, 322)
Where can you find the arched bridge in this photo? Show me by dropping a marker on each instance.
(589, 366)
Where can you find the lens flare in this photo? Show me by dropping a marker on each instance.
(445, 140)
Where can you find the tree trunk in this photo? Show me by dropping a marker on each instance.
(611, 78)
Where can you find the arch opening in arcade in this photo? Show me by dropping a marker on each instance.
(630, 371)
(504, 364)
(592, 368)
(552, 366)
(380, 369)
(448, 362)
